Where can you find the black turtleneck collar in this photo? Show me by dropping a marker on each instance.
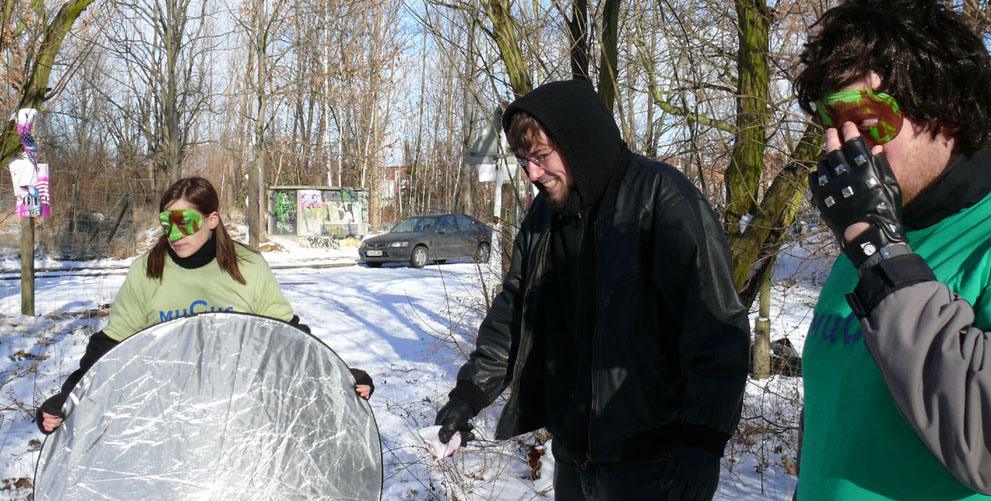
(200, 258)
(962, 186)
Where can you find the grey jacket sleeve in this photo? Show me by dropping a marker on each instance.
(936, 365)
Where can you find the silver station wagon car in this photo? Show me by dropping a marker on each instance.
(435, 237)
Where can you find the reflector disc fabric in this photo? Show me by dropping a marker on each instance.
(215, 406)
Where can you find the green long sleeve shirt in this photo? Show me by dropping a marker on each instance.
(857, 446)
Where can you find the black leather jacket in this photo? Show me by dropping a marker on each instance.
(671, 338)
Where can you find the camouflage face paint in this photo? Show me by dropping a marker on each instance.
(179, 224)
(876, 114)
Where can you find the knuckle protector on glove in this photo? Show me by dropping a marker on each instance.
(852, 185)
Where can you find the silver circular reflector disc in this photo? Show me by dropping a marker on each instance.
(215, 406)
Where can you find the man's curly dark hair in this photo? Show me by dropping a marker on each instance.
(928, 59)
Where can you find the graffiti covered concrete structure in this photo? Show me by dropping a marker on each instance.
(317, 215)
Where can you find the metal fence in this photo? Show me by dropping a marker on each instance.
(91, 217)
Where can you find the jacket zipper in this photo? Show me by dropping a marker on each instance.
(592, 406)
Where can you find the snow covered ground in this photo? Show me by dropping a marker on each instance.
(411, 330)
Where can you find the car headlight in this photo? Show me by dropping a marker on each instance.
(399, 244)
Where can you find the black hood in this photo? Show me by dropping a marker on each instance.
(581, 126)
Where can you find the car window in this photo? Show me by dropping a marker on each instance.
(425, 224)
(465, 224)
(447, 224)
(414, 224)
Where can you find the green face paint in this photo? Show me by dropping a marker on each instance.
(179, 224)
(876, 114)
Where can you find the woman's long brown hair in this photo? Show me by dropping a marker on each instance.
(201, 195)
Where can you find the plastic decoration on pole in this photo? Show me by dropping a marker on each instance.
(215, 406)
(30, 179)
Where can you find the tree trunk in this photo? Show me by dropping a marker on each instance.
(754, 251)
(374, 174)
(256, 174)
(467, 123)
(747, 162)
(608, 64)
(743, 177)
(34, 89)
(504, 31)
(172, 41)
(578, 37)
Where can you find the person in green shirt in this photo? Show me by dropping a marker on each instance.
(195, 267)
(895, 365)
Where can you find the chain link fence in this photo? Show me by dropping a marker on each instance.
(92, 216)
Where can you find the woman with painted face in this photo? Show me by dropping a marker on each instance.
(195, 267)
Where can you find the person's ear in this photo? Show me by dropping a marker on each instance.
(214, 220)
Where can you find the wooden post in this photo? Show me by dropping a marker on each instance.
(508, 222)
(27, 266)
(762, 331)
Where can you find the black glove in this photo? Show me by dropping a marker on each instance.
(362, 377)
(454, 417)
(295, 323)
(851, 185)
(97, 346)
(53, 406)
(696, 474)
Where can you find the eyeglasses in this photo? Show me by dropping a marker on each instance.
(876, 114)
(179, 224)
(537, 160)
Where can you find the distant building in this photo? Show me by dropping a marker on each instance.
(393, 182)
(392, 187)
(317, 215)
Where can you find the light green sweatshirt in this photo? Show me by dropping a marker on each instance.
(143, 302)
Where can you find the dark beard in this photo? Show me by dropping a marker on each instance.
(556, 205)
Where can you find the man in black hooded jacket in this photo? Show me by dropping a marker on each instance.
(618, 327)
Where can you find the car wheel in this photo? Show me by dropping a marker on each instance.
(482, 253)
(373, 265)
(419, 257)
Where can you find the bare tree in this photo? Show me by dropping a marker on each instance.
(262, 23)
(161, 53)
(370, 50)
(29, 46)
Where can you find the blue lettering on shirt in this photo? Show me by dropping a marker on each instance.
(816, 325)
(197, 306)
(828, 327)
(851, 337)
(832, 325)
